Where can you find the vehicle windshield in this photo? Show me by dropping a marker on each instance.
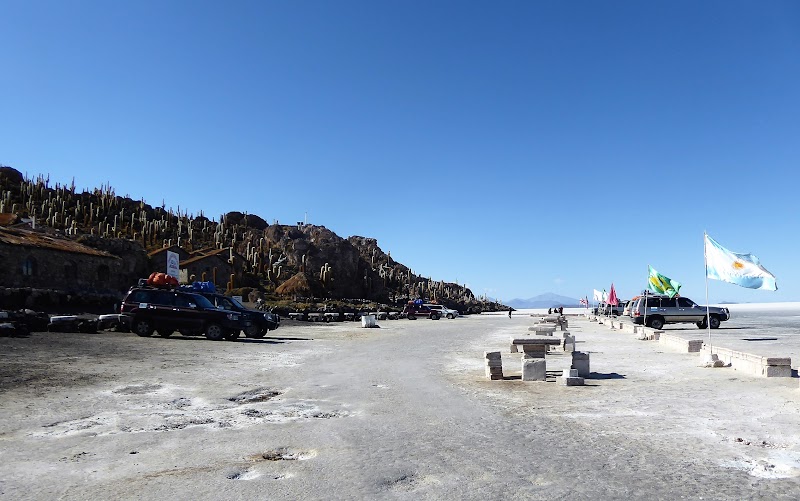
(236, 303)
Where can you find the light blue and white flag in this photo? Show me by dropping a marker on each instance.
(740, 269)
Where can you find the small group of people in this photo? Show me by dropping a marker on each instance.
(559, 310)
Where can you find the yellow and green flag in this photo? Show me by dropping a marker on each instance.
(661, 284)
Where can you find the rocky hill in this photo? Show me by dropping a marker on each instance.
(283, 260)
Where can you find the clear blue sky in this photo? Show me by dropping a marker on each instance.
(519, 147)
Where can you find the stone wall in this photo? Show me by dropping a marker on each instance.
(54, 269)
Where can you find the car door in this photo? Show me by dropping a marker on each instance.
(689, 311)
(189, 313)
(160, 309)
(669, 309)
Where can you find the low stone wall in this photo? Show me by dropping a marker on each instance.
(679, 343)
(752, 364)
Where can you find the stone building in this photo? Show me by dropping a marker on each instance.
(215, 265)
(158, 258)
(35, 259)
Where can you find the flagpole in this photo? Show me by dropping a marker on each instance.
(708, 314)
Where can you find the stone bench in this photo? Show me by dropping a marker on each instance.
(543, 329)
(534, 346)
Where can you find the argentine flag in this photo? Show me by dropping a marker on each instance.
(740, 269)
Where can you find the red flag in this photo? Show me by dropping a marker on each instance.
(612, 296)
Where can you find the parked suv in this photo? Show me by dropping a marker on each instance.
(412, 311)
(148, 309)
(443, 312)
(256, 323)
(658, 310)
(605, 309)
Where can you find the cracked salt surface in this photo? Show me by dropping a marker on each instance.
(158, 412)
(778, 464)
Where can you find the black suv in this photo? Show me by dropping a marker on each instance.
(412, 311)
(148, 309)
(256, 323)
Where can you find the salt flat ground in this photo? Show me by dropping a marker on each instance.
(334, 411)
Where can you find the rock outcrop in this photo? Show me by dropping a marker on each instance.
(293, 260)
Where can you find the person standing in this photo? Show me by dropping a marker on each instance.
(509, 313)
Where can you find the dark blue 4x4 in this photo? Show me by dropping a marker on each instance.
(257, 323)
(163, 310)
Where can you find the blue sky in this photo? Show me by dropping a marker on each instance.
(519, 147)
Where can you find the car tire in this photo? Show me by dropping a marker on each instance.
(411, 316)
(714, 321)
(701, 325)
(232, 335)
(215, 332)
(252, 331)
(142, 327)
(165, 332)
(435, 316)
(656, 323)
(260, 334)
(450, 316)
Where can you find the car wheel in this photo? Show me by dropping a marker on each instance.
(142, 327)
(259, 334)
(165, 332)
(252, 331)
(411, 316)
(215, 332)
(701, 325)
(434, 316)
(450, 316)
(232, 335)
(714, 321)
(656, 323)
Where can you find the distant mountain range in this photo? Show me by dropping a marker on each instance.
(546, 300)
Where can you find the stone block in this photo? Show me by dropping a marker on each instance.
(492, 355)
(580, 361)
(534, 370)
(569, 344)
(571, 381)
(778, 361)
(368, 321)
(777, 371)
(514, 348)
(569, 373)
(695, 345)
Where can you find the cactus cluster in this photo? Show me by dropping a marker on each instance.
(102, 212)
